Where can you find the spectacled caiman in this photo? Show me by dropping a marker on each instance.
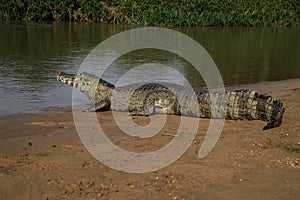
(147, 99)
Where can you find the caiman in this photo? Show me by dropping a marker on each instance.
(150, 98)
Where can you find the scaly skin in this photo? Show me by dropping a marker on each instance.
(147, 99)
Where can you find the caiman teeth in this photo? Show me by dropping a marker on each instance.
(58, 77)
(65, 78)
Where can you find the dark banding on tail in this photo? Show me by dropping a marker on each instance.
(268, 109)
(251, 105)
(276, 115)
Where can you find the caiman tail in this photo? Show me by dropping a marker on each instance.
(251, 105)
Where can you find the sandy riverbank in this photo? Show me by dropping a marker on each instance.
(42, 157)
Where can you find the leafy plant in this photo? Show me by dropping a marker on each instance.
(158, 12)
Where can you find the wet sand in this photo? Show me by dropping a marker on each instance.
(42, 157)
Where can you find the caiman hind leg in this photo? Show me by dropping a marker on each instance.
(161, 101)
(165, 102)
(145, 107)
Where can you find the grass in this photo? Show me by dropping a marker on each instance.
(158, 12)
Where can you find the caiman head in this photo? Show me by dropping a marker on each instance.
(88, 84)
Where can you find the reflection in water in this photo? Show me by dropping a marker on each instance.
(251, 55)
(148, 58)
(32, 54)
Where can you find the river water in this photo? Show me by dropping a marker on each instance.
(31, 54)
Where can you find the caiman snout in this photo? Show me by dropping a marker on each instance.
(65, 78)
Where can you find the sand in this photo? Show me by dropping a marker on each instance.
(42, 157)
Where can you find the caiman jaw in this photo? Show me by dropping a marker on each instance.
(66, 78)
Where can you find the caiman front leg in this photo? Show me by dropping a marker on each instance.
(100, 106)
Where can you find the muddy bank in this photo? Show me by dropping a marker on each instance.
(42, 157)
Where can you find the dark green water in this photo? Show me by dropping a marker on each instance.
(32, 54)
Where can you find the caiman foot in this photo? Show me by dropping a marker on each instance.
(144, 112)
(101, 106)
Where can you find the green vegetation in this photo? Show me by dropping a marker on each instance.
(158, 12)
